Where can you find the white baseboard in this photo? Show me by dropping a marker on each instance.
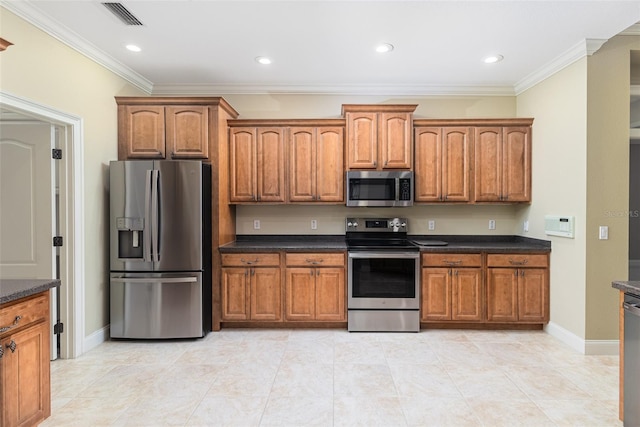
(95, 339)
(582, 346)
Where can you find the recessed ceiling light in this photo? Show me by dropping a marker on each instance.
(384, 48)
(133, 48)
(493, 59)
(263, 60)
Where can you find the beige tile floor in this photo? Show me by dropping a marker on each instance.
(336, 378)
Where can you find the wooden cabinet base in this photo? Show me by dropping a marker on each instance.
(285, 325)
(483, 326)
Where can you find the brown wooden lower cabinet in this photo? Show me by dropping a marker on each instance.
(252, 292)
(25, 390)
(505, 289)
(518, 288)
(453, 289)
(313, 287)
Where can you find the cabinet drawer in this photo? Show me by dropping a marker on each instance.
(451, 260)
(517, 260)
(251, 259)
(30, 310)
(315, 259)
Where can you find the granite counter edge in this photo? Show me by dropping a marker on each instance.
(15, 289)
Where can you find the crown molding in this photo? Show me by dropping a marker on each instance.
(633, 30)
(393, 90)
(32, 15)
(586, 47)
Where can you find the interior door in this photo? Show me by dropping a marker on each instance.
(27, 213)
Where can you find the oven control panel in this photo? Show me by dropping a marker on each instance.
(373, 225)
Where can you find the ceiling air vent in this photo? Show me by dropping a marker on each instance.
(122, 13)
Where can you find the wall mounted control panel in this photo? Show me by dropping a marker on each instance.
(555, 225)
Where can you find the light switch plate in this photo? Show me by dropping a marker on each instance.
(604, 232)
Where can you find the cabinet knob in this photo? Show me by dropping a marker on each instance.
(1, 352)
(11, 346)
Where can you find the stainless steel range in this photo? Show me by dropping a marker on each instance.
(383, 276)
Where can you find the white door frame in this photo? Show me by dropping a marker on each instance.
(72, 312)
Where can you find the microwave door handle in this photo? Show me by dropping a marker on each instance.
(397, 198)
(146, 236)
(155, 215)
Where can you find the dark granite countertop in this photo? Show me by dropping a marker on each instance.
(328, 243)
(293, 243)
(627, 286)
(13, 289)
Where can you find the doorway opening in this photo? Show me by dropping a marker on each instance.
(66, 134)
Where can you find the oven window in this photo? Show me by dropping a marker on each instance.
(372, 189)
(383, 278)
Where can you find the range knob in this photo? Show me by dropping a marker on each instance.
(355, 224)
(403, 225)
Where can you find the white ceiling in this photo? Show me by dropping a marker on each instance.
(210, 46)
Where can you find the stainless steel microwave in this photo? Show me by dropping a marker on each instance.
(374, 188)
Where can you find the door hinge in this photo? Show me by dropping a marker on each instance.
(56, 153)
(57, 241)
(58, 328)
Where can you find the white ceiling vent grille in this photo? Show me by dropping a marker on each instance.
(122, 13)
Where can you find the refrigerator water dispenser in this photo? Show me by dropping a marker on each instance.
(130, 231)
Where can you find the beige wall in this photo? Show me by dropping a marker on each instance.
(607, 182)
(41, 69)
(559, 172)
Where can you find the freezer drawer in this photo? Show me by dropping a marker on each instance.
(156, 305)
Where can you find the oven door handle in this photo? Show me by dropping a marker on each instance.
(395, 254)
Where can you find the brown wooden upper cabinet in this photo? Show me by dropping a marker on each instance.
(316, 167)
(164, 127)
(256, 164)
(502, 163)
(379, 136)
(442, 164)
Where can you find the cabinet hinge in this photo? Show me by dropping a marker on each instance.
(56, 153)
(58, 328)
(57, 241)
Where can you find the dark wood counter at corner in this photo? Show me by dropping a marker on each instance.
(13, 289)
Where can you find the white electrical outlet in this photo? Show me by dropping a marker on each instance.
(604, 232)
(432, 225)
(525, 226)
(492, 224)
(256, 224)
(314, 224)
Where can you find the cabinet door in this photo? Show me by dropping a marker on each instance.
(270, 165)
(302, 165)
(141, 132)
(330, 164)
(488, 164)
(300, 294)
(362, 140)
(242, 165)
(502, 295)
(516, 178)
(455, 164)
(187, 132)
(428, 172)
(533, 298)
(436, 294)
(265, 294)
(235, 296)
(466, 294)
(395, 140)
(25, 390)
(329, 294)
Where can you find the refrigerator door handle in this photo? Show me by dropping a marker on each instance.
(146, 236)
(154, 279)
(155, 216)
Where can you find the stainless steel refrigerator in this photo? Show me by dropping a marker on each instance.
(160, 236)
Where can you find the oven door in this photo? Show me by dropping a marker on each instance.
(384, 280)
